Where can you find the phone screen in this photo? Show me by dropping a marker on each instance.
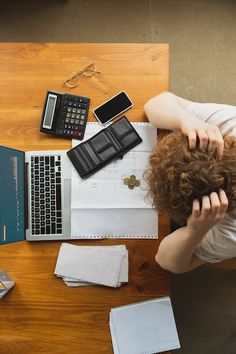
(113, 107)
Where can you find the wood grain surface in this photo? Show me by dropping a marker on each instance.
(41, 314)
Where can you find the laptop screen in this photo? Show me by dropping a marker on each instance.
(12, 210)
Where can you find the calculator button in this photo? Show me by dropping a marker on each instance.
(82, 117)
(73, 115)
(68, 115)
(67, 120)
(77, 121)
(69, 109)
(81, 122)
(83, 111)
(78, 110)
(74, 110)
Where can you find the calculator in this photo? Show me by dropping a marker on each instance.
(65, 115)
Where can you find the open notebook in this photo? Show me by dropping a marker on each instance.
(146, 327)
(103, 206)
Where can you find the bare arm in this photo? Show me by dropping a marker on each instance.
(176, 251)
(168, 111)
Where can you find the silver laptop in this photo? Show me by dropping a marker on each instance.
(36, 199)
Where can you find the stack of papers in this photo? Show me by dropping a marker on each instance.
(144, 327)
(91, 265)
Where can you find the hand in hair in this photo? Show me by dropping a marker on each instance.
(207, 213)
(168, 111)
(209, 135)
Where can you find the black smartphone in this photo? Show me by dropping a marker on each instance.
(112, 108)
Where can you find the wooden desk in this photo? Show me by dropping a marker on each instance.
(41, 314)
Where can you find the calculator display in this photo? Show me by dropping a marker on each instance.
(49, 112)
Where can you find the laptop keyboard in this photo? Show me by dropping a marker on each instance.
(46, 210)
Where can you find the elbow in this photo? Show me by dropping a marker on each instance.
(170, 266)
(159, 98)
(153, 106)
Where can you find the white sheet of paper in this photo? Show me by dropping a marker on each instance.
(100, 267)
(113, 336)
(144, 327)
(106, 189)
(103, 197)
(122, 223)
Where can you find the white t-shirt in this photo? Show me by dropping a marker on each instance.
(220, 242)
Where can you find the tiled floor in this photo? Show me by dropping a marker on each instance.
(202, 42)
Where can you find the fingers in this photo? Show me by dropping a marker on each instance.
(220, 146)
(192, 139)
(206, 206)
(216, 142)
(210, 139)
(223, 202)
(196, 208)
(203, 138)
(213, 206)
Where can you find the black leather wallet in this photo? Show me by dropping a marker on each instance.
(110, 143)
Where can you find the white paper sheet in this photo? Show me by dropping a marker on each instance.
(144, 327)
(106, 189)
(109, 223)
(103, 206)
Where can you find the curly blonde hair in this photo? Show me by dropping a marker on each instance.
(178, 175)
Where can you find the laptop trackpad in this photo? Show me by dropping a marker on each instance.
(67, 193)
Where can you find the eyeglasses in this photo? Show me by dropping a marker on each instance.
(73, 79)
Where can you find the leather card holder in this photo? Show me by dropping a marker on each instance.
(110, 143)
